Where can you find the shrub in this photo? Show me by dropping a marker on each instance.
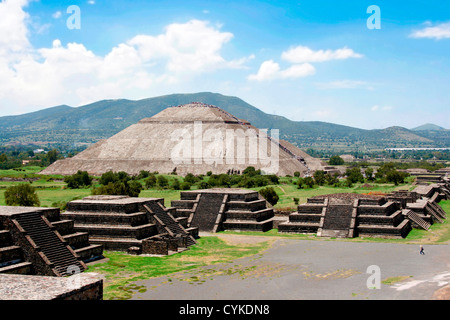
(270, 195)
(336, 161)
(185, 186)
(176, 184)
(119, 183)
(22, 195)
(150, 182)
(78, 180)
(162, 182)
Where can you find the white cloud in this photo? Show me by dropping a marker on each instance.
(13, 26)
(300, 58)
(302, 54)
(270, 70)
(188, 47)
(73, 74)
(441, 31)
(57, 15)
(377, 108)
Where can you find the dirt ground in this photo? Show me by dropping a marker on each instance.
(312, 270)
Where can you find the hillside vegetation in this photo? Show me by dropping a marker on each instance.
(65, 125)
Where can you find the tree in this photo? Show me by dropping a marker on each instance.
(336, 161)
(319, 177)
(119, 183)
(396, 177)
(309, 182)
(270, 195)
(78, 180)
(369, 174)
(332, 180)
(150, 182)
(52, 156)
(22, 195)
(354, 175)
(130, 188)
(176, 184)
(162, 182)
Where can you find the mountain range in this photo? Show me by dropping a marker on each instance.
(65, 125)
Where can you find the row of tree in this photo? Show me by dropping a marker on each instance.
(387, 173)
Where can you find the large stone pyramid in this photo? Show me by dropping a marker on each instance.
(193, 138)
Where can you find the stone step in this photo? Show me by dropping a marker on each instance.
(10, 253)
(107, 218)
(298, 227)
(18, 268)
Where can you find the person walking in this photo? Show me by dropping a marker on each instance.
(421, 250)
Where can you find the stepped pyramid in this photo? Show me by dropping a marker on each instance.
(31, 244)
(134, 225)
(193, 138)
(348, 216)
(213, 210)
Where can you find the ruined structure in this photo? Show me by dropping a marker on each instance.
(351, 215)
(213, 210)
(35, 241)
(193, 138)
(347, 217)
(133, 225)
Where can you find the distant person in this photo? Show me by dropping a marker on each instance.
(421, 250)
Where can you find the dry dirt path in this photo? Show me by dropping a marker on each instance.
(313, 270)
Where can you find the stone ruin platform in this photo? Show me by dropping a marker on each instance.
(348, 216)
(36, 241)
(213, 210)
(130, 224)
(84, 286)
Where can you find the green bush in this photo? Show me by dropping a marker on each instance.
(78, 180)
(22, 195)
(270, 195)
(118, 183)
(336, 161)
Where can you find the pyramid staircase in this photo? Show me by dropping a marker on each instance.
(416, 219)
(63, 260)
(122, 223)
(12, 258)
(338, 220)
(362, 217)
(78, 241)
(168, 223)
(30, 244)
(307, 219)
(214, 210)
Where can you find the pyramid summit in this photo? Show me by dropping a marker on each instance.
(191, 138)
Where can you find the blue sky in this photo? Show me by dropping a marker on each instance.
(305, 60)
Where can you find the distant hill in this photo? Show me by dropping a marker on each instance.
(65, 125)
(428, 127)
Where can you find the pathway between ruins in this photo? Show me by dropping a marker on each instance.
(312, 269)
